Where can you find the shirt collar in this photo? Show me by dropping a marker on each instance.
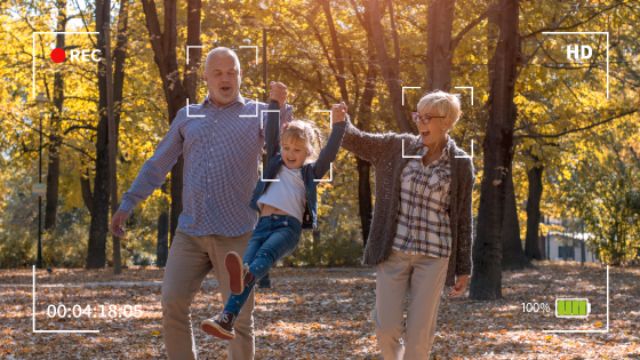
(238, 99)
(422, 150)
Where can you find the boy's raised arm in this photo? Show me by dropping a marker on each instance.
(330, 150)
(272, 129)
(278, 99)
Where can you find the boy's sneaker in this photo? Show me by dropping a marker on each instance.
(220, 327)
(233, 263)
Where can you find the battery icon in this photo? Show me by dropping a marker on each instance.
(574, 308)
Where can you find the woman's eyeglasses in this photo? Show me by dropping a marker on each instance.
(424, 119)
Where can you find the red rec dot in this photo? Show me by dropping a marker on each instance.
(58, 55)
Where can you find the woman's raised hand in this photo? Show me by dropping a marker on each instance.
(338, 112)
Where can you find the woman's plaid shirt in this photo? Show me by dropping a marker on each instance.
(423, 216)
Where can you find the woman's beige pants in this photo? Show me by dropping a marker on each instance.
(424, 279)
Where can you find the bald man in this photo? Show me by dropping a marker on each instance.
(221, 141)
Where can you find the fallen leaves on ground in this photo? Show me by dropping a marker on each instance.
(320, 314)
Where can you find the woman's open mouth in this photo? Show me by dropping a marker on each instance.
(425, 133)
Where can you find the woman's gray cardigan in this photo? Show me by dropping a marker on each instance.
(385, 153)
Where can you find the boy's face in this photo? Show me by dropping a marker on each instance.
(294, 153)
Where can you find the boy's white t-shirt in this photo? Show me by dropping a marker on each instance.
(287, 194)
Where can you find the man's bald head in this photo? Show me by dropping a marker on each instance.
(222, 74)
(219, 52)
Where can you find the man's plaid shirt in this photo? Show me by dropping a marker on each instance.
(221, 147)
(423, 216)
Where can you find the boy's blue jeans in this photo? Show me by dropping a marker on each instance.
(274, 237)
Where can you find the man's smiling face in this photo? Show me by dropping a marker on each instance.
(222, 75)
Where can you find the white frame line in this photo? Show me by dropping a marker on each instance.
(331, 163)
(262, 127)
(403, 154)
(33, 52)
(466, 87)
(467, 156)
(240, 47)
(586, 331)
(586, 33)
(409, 156)
(194, 115)
(251, 115)
(408, 87)
(256, 48)
(250, 47)
(33, 314)
(192, 47)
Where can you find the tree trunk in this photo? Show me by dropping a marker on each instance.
(365, 201)
(439, 51)
(532, 243)
(363, 115)
(85, 188)
(162, 247)
(112, 131)
(486, 279)
(365, 206)
(337, 50)
(110, 88)
(316, 257)
(389, 67)
(176, 91)
(115, 81)
(55, 140)
(513, 257)
(96, 256)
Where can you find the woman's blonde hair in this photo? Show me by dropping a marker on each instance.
(306, 132)
(444, 103)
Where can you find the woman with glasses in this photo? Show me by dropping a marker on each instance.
(421, 231)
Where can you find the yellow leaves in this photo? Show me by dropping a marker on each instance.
(155, 333)
(598, 324)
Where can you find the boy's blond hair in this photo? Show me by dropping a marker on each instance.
(305, 131)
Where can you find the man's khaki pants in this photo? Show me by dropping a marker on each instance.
(424, 277)
(190, 259)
